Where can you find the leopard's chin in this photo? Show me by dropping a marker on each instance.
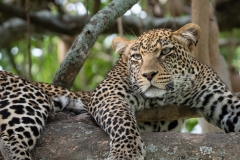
(153, 92)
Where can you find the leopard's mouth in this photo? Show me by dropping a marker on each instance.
(154, 88)
(153, 91)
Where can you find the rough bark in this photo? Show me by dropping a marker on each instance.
(214, 53)
(200, 16)
(79, 51)
(172, 112)
(208, 48)
(169, 112)
(75, 138)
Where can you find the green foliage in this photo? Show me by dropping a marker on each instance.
(45, 65)
(231, 51)
(99, 62)
(190, 124)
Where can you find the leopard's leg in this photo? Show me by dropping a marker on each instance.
(161, 126)
(73, 105)
(63, 98)
(19, 135)
(15, 147)
(116, 119)
(22, 121)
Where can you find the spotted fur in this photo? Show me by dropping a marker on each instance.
(157, 69)
(179, 78)
(24, 109)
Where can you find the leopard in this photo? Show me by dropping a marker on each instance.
(155, 69)
(24, 109)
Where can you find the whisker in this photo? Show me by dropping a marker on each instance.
(130, 29)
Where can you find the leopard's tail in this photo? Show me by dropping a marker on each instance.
(12, 148)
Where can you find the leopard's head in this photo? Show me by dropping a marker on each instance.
(159, 60)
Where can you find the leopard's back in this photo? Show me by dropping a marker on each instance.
(24, 109)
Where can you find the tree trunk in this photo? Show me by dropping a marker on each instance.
(207, 50)
(200, 16)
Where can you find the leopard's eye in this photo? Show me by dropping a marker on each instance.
(137, 56)
(165, 51)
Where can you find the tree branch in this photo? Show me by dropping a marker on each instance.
(169, 112)
(46, 19)
(71, 25)
(79, 51)
(80, 139)
(45, 22)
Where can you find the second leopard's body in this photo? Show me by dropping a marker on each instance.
(24, 109)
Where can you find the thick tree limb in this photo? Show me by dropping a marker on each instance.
(44, 22)
(45, 19)
(169, 112)
(15, 28)
(71, 25)
(79, 51)
(80, 139)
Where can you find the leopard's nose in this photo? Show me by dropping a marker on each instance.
(149, 75)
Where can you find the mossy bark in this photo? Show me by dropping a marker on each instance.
(74, 138)
(79, 51)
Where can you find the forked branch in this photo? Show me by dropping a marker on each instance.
(79, 51)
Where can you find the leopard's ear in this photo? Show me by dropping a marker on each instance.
(121, 46)
(188, 34)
